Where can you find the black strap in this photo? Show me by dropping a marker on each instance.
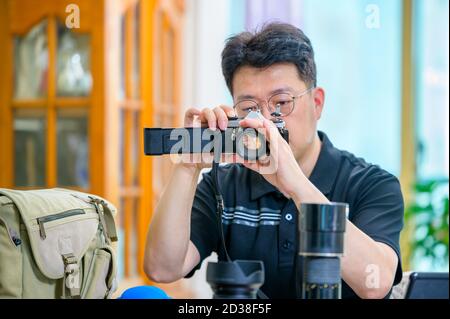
(220, 206)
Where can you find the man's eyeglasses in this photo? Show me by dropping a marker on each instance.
(280, 104)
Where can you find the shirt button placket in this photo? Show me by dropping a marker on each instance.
(287, 234)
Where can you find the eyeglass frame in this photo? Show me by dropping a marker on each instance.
(294, 97)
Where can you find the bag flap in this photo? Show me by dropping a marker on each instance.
(109, 211)
(69, 225)
(88, 198)
(34, 204)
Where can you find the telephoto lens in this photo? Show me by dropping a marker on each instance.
(321, 244)
(239, 279)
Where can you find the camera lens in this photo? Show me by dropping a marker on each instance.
(321, 243)
(250, 145)
(321, 228)
(239, 279)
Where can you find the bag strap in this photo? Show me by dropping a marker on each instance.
(106, 219)
(109, 221)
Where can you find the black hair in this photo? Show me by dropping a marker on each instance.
(274, 43)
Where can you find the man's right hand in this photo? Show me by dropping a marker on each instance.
(216, 118)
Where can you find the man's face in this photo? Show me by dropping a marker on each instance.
(259, 84)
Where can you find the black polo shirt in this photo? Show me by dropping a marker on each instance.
(260, 223)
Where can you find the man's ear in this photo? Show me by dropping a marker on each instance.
(319, 100)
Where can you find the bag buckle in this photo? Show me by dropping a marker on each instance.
(72, 274)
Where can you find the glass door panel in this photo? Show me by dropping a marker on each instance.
(73, 148)
(30, 148)
(73, 73)
(31, 63)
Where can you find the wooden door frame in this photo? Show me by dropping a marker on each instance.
(5, 89)
(149, 54)
(18, 20)
(146, 163)
(103, 112)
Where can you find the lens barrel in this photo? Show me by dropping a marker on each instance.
(250, 144)
(239, 279)
(321, 244)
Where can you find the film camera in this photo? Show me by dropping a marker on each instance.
(248, 143)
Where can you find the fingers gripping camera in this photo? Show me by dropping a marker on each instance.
(248, 143)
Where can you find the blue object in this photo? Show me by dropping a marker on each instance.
(144, 292)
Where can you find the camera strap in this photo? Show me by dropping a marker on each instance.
(220, 204)
(220, 208)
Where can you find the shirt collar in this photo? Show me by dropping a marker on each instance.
(323, 175)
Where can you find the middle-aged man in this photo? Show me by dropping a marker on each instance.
(275, 69)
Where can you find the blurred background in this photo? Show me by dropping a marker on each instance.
(80, 79)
